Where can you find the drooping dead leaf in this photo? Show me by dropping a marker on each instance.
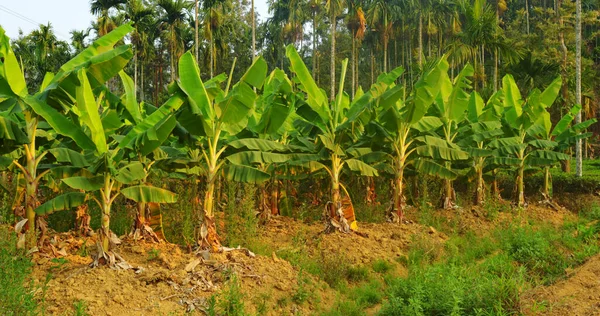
(20, 225)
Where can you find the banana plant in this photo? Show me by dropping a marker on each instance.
(25, 111)
(215, 116)
(526, 122)
(111, 171)
(272, 120)
(143, 147)
(399, 121)
(557, 140)
(450, 107)
(337, 125)
(483, 126)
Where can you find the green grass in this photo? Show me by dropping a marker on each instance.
(16, 286)
(471, 274)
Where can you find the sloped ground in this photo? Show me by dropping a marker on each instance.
(168, 280)
(578, 295)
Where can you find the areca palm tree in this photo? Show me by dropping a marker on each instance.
(174, 16)
(381, 17)
(357, 24)
(334, 9)
(140, 17)
(78, 39)
(213, 20)
(101, 8)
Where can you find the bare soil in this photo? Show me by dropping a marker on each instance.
(577, 295)
(167, 279)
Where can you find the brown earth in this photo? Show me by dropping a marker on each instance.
(578, 295)
(164, 281)
(168, 280)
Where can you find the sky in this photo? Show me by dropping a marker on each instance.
(64, 15)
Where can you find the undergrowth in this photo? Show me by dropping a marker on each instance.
(475, 275)
(16, 286)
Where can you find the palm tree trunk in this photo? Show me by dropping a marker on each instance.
(314, 46)
(578, 149)
(135, 73)
(352, 57)
(527, 14)
(385, 52)
(142, 82)
(420, 58)
(212, 55)
(196, 43)
(332, 70)
(372, 67)
(253, 32)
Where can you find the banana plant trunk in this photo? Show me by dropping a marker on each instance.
(274, 194)
(336, 215)
(547, 184)
(106, 206)
(480, 190)
(495, 187)
(449, 198)
(399, 199)
(209, 236)
(520, 185)
(30, 175)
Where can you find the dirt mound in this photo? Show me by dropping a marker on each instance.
(165, 280)
(579, 294)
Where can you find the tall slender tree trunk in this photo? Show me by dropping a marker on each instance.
(212, 55)
(372, 67)
(385, 52)
(253, 32)
(196, 43)
(142, 81)
(578, 149)
(527, 14)
(332, 70)
(135, 73)
(353, 57)
(314, 46)
(420, 57)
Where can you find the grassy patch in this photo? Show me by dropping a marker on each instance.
(16, 286)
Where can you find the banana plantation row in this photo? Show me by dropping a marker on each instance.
(77, 135)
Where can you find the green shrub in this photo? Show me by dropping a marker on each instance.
(451, 289)
(368, 294)
(302, 293)
(357, 273)
(231, 302)
(345, 308)
(382, 266)
(538, 250)
(80, 308)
